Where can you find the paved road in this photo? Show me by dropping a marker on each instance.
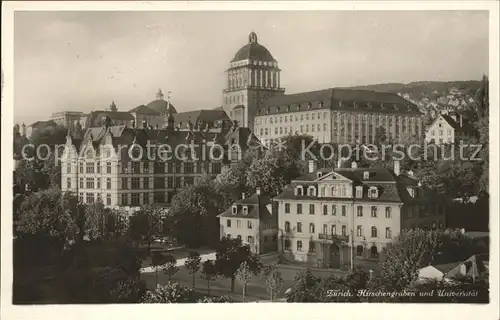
(256, 289)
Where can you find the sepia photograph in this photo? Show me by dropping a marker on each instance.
(249, 156)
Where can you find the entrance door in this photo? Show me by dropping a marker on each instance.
(334, 256)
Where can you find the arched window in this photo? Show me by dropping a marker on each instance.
(311, 191)
(299, 191)
(311, 228)
(359, 250)
(373, 192)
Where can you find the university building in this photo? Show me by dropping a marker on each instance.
(329, 212)
(106, 163)
(254, 98)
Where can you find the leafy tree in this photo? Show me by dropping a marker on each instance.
(158, 260)
(209, 272)
(146, 224)
(170, 293)
(274, 171)
(193, 263)
(128, 291)
(244, 275)
(400, 261)
(274, 280)
(170, 267)
(230, 184)
(194, 211)
(303, 288)
(230, 254)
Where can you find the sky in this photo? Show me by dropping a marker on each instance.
(81, 61)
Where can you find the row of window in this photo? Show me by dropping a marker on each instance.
(333, 230)
(338, 191)
(312, 248)
(159, 167)
(433, 132)
(135, 198)
(359, 210)
(238, 224)
(250, 239)
(135, 183)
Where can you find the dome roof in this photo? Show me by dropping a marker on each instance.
(160, 105)
(253, 51)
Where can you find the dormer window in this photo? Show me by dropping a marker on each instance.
(408, 107)
(359, 192)
(366, 175)
(299, 191)
(369, 105)
(320, 104)
(288, 108)
(373, 192)
(235, 210)
(396, 108)
(311, 191)
(354, 104)
(340, 104)
(319, 174)
(245, 210)
(309, 105)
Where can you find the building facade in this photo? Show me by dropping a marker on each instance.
(340, 116)
(254, 220)
(329, 216)
(67, 119)
(107, 162)
(448, 129)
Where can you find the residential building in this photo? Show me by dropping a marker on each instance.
(330, 214)
(107, 162)
(254, 220)
(448, 129)
(475, 266)
(38, 125)
(339, 115)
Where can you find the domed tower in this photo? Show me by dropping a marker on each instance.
(252, 77)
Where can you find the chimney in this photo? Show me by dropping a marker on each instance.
(354, 165)
(243, 195)
(312, 166)
(396, 167)
(257, 191)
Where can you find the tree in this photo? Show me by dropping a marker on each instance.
(209, 272)
(303, 288)
(170, 293)
(194, 213)
(274, 171)
(229, 256)
(244, 275)
(146, 224)
(157, 262)
(220, 299)
(128, 291)
(170, 267)
(400, 261)
(274, 280)
(193, 263)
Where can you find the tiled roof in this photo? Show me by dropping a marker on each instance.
(43, 124)
(391, 188)
(466, 126)
(257, 208)
(339, 99)
(200, 116)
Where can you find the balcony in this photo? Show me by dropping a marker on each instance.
(334, 237)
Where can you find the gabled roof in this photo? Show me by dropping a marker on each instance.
(43, 124)
(466, 127)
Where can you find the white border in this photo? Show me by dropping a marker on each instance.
(236, 311)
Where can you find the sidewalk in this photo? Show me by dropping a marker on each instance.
(180, 262)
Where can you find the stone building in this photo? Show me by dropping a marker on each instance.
(137, 165)
(329, 215)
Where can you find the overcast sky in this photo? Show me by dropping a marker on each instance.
(84, 60)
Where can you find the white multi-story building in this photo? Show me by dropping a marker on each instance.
(254, 220)
(448, 129)
(327, 216)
